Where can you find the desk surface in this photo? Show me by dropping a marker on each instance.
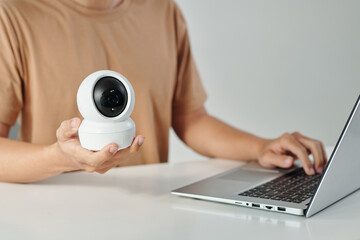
(135, 203)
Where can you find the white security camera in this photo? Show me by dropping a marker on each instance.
(105, 100)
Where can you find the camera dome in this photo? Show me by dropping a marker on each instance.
(105, 96)
(110, 96)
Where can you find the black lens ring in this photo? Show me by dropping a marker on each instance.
(110, 96)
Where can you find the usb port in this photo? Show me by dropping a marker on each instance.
(281, 209)
(255, 205)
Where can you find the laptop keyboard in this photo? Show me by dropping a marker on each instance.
(293, 187)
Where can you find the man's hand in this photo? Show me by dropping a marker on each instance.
(282, 152)
(82, 159)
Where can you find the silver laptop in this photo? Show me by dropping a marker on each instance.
(289, 190)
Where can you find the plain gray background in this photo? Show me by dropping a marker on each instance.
(276, 66)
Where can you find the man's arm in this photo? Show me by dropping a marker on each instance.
(24, 162)
(214, 138)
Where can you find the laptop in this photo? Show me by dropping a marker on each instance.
(288, 190)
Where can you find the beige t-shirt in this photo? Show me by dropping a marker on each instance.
(47, 47)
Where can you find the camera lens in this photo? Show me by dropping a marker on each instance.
(110, 96)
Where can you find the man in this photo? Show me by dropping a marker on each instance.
(48, 47)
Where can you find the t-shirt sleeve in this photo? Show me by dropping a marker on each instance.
(11, 100)
(189, 92)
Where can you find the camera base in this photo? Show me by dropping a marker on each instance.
(94, 135)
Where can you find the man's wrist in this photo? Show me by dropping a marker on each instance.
(258, 147)
(59, 160)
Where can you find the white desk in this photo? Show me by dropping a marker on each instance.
(135, 203)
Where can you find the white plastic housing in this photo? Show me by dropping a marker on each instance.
(94, 135)
(97, 130)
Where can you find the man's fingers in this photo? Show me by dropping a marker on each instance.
(108, 157)
(125, 153)
(68, 129)
(134, 147)
(271, 159)
(290, 143)
(316, 150)
(122, 155)
(105, 154)
(111, 152)
(104, 170)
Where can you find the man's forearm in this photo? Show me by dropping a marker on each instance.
(212, 137)
(24, 162)
(209, 136)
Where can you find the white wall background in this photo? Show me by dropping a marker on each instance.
(276, 66)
